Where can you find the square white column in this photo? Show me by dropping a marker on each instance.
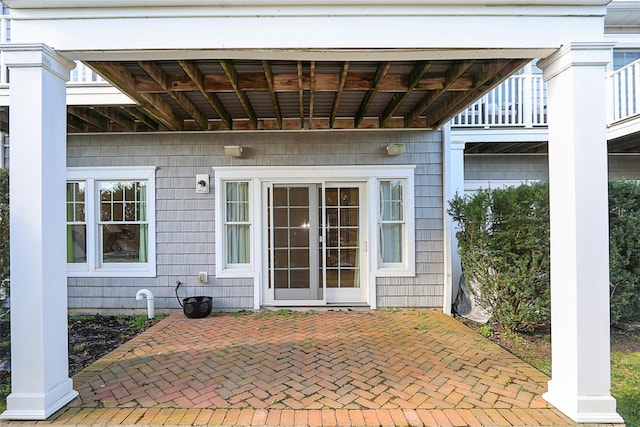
(580, 334)
(453, 156)
(39, 352)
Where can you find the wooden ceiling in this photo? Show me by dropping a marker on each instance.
(210, 95)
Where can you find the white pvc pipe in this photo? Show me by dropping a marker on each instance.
(150, 309)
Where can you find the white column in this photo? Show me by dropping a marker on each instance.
(453, 160)
(580, 384)
(37, 125)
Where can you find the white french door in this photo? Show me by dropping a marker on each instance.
(315, 243)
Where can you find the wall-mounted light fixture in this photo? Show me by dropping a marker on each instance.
(395, 149)
(233, 150)
(202, 183)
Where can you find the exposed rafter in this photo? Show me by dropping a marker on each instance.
(232, 75)
(268, 73)
(115, 116)
(300, 93)
(122, 78)
(90, 116)
(312, 91)
(452, 75)
(381, 72)
(488, 77)
(156, 73)
(415, 75)
(344, 70)
(194, 73)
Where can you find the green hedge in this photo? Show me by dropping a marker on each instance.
(504, 248)
(624, 250)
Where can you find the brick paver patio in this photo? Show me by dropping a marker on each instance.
(335, 368)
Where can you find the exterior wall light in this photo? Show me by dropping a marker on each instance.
(395, 149)
(233, 150)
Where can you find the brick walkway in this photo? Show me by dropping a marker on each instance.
(319, 369)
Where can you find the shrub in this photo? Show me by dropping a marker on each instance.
(624, 250)
(504, 248)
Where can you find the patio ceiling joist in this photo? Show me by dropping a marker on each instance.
(220, 94)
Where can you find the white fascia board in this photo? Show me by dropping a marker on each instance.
(38, 4)
(507, 135)
(95, 94)
(82, 95)
(425, 37)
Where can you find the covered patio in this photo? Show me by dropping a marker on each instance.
(333, 368)
(138, 46)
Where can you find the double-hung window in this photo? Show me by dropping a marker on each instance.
(111, 222)
(234, 228)
(395, 227)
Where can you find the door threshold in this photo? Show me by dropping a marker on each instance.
(327, 307)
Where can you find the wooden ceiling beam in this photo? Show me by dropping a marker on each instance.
(268, 73)
(157, 74)
(91, 117)
(122, 79)
(344, 70)
(419, 70)
(289, 83)
(116, 116)
(312, 91)
(454, 72)
(197, 78)
(300, 94)
(381, 73)
(74, 122)
(487, 78)
(141, 116)
(232, 75)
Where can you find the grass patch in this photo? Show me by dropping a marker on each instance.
(90, 337)
(625, 385)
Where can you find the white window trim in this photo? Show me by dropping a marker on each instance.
(370, 174)
(93, 268)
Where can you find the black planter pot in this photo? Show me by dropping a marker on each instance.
(194, 307)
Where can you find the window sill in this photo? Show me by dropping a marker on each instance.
(106, 272)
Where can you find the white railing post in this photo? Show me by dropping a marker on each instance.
(528, 94)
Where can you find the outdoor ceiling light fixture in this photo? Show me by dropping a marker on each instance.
(395, 149)
(233, 150)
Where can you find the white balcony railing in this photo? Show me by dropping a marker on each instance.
(623, 87)
(519, 101)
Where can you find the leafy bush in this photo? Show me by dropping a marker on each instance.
(504, 248)
(624, 250)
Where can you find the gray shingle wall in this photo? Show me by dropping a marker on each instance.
(185, 220)
(536, 167)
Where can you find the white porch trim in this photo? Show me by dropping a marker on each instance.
(580, 384)
(39, 365)
(453, 162)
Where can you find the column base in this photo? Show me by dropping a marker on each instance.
(38, 406)
(583, 409)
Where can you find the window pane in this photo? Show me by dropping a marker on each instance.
(237, 201)
(124, 243)
(391, 200)
(76, 244)
(391, 242)
(75, 201)
(238, 243)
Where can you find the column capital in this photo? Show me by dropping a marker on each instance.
(576, 54)
(29, 55)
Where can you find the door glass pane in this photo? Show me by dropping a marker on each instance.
(290, 246)
(343, 237)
